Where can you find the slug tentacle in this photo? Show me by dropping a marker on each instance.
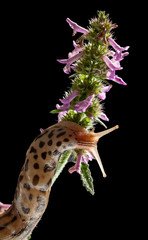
(88, 141)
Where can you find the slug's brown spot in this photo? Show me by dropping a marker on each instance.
(61, 134)
(25, 210)
(41, 144)
(50, 142)
(30, 197)
(60, 129)
(33, 150)
(59, 144)
(66, 140)
(35, 180)
(51, 133)
(43, 155)
(36, 166)
(35, 156)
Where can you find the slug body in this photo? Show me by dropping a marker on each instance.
(34, 182)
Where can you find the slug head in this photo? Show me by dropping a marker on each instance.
(88, 140)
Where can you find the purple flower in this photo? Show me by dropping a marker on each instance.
(76, 50)
(77, 166)
(76, 28)
(83, 105)
(112, 64)
(66, 101)
(112, 76)
(66, 105)
(116, 46)
(86, 157)
(82, 157)
(72, 57)
(118, 56)
(104, 90)
(69, 61)
(61, 115)
(103, 116)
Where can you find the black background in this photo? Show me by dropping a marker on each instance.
(33, 36)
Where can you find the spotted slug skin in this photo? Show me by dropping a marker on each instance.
(34, 182)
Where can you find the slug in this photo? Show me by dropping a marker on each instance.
(34, 182)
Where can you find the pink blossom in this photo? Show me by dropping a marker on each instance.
(77, 166)
(69, 61)
(103, 116)
(86, 157)
(41, 130)
(76, 50)
(104, 90)
(66, 105)
(112, 76)
(112, 64)
(61, 115)
(118, 56)
(82, 157)
(83, 105)
(66, 101)
(76, 28)
(116, 46)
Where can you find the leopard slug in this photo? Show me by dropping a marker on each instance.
(34, 182)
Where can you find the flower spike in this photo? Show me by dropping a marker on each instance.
(95, 59)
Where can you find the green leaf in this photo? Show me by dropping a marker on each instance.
(56, 111)
(62, 162)
(86, 178)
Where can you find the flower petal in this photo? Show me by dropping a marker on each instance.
(103, 116)
(70, 97)
(69, 61)
(116, 46)
(61, 115)
(83, 105)
(112, 64)
(112, 76)
(76, 27)
(77, 166)
(104, 90)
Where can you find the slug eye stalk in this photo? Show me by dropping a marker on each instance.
(88, 141)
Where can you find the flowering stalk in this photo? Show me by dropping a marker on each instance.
(95, 59)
